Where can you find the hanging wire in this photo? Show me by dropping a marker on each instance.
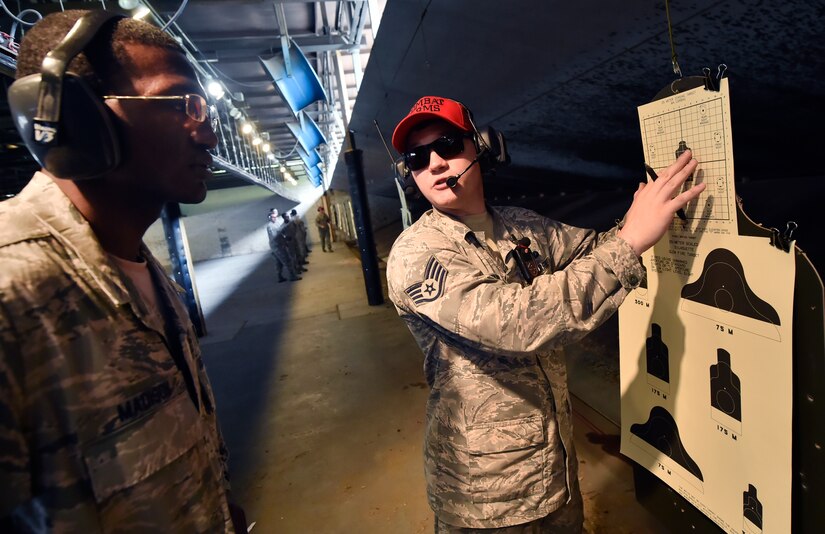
(284, 156)
(676, 70)
(176, 15)
(24, 12)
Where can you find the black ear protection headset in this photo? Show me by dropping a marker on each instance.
(63, 123)
(490, 146)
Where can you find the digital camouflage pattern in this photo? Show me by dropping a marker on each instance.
(301, 236)
(566, 520)
(498, 439)
(279, 247)
(99, 431)
(322, 223)
(290, 231)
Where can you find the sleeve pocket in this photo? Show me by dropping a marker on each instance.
(126, 457)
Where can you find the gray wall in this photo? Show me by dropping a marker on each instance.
(232, 222)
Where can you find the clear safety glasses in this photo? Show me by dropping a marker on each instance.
(194, 105)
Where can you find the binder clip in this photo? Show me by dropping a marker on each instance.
(712, 83)
(721, 70)
(783, 240)
(709, 83)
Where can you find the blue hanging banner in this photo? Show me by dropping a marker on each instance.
(310, 157)
(315, 175)
(301, 87)
(306, 132)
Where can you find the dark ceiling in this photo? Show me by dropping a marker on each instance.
(562, 81)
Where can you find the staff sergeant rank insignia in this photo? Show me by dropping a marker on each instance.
(435, 276)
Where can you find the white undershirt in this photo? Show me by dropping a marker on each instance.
(138, 273)
(483, 222)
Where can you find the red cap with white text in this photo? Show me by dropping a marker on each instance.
(428, 108)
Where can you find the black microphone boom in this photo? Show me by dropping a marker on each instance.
(452, 181)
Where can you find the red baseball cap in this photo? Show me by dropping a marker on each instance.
(428, 108)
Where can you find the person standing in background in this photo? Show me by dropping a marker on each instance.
(291, 233)
(301, 234)
(279, 247)
(323, 223)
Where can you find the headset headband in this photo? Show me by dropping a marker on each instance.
(57, 61)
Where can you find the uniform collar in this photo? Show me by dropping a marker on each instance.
(60, 218)
(456, 229)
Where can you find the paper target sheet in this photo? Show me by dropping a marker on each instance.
(698, 120)
(705, 343)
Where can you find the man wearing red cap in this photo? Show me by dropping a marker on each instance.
(498, 439)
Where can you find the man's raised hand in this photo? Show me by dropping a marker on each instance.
(654, 204)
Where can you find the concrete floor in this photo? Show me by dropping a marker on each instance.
(321, 400)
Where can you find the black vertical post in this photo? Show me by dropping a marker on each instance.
(363, 226)
(180, 264)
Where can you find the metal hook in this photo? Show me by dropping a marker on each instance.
(676, 69)
(720, 71)
(673, 88)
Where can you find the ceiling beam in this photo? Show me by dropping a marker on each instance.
(243, 43)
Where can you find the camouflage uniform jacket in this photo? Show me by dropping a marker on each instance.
(322, 221)
(290, 231)
(498, 437)
(300, 227)
(277, 239)
(99, 429)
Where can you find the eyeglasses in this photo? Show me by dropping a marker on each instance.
(446, 146)
(195, 106)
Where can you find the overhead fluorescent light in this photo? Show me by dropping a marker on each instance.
(215, 89)
(140, 12)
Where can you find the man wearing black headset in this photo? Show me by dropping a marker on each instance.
(491, 295)
(107, 418)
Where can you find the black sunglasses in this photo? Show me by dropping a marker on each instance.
(446, 146)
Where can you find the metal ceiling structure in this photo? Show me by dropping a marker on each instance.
(227, 41)
(562, 81)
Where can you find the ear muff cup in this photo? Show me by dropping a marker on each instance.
(492, 142)
(405, 179)
(66, 127)
(87, 144)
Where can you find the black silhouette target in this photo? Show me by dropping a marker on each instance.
(656, 353)
(723, 285)
(752, 509)
(725, 388)
(661, 432)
